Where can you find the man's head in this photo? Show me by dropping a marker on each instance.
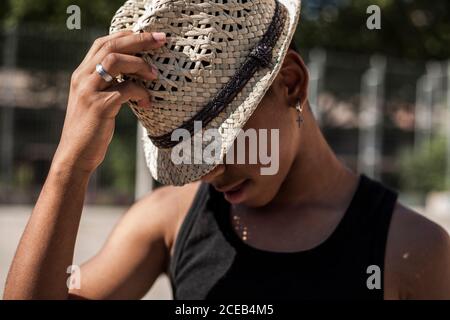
(276, 111)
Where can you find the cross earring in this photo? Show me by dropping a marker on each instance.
(299, 108)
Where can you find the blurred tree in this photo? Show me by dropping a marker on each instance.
(96, 13)
(117, 171)
(424, 170)
(417, 29)
(409, 28)
(4, 9)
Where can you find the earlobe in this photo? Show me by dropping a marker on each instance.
(299, 108)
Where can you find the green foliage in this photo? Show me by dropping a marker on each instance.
(53, 12)
(4, 9)
(417, 29)
(24, 176)
(119, 167)
(424, 170)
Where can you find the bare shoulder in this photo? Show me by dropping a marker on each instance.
(139, 246)
(418, 255)
(165, 206)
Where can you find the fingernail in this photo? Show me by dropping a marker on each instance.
(159, 36)
(154, 70)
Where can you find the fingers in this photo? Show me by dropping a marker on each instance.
(113, 49)
(128, 44)
(113, 98)
(116, 63)
(99, 43)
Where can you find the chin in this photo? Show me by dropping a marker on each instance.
(253, 194)
(255, 203)
(258, 198)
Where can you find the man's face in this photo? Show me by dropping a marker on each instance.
(244, 183)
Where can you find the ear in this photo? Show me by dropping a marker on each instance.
(294, 79)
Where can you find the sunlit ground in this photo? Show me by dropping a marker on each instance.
(96, 223)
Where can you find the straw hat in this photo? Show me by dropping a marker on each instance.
(220, 58)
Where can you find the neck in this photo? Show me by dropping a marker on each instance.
(316, 177)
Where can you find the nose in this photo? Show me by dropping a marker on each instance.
(217, 171)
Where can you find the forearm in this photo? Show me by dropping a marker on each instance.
(47, 245)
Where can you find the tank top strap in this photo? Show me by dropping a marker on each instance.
(197, 207)
(377, 201)
(372, 205)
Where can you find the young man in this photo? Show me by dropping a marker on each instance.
(314, 230)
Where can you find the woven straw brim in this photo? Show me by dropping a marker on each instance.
(232, 118)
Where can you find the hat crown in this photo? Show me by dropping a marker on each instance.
(184, 80)
(207, 42)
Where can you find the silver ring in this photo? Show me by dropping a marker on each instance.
(103, 73)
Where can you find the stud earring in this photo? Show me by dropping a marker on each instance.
(299, 108)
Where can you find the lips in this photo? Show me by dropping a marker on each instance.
(237, 193)
(232, 188)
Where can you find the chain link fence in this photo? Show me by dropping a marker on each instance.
(378, 113)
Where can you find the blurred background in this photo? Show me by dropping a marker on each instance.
(382, 98)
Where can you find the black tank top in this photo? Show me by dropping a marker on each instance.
(211, 262)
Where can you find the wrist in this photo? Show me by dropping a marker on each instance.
(67, 168)
(65, 161)
(65, 179)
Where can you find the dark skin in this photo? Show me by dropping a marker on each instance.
(296, 209)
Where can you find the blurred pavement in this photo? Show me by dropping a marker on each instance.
(96, 224)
